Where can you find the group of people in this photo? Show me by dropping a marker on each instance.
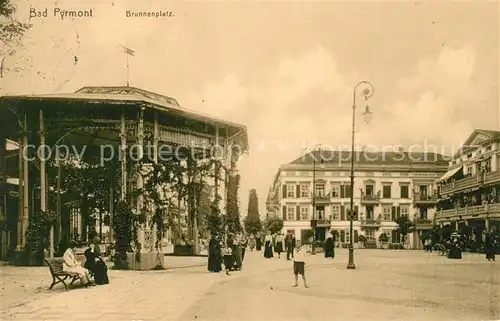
(456, 244)
(94, 264)
(232, 253)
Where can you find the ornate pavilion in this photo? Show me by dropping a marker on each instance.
(87, 120)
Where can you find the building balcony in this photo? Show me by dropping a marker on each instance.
(424, 199)
(370, 199)
(470, 212)
(370, 223)
(471, 182)
(318, 199)
(423, 224)
(321, 223)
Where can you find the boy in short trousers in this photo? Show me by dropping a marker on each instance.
(299, 264)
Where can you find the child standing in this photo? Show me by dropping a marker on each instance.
(228, 259)
(299, 262)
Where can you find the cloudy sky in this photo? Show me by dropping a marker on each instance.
(286, 70)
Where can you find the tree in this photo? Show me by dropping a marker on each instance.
(233, 211)
(405, 227)
(274, 224)
(11, 32)
(253, 204)
(252, 224)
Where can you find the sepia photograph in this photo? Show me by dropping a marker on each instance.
(249, 160)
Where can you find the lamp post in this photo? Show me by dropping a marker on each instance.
(367, 93)
(313, 221)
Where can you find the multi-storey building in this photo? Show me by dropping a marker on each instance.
(470, 189)
(387, 185)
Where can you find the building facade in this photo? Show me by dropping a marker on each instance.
(470, 189)
(387, 185)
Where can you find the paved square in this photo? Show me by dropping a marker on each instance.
(387, 285)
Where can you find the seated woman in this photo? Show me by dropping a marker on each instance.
(95, 264)
(71, 264)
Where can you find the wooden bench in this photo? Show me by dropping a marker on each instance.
(58, 275)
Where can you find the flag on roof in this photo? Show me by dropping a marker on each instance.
(128, 51)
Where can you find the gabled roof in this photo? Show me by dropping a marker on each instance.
(477, 137)
(372, 158)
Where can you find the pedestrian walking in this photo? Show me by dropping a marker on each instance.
(290, 245)
(258, 241)
(228, 259)
(329, 246)
(237, 252)
(299, 264)
(214, 254)
(268, 250)
(279, 245)
(244, 244)
(490, 247)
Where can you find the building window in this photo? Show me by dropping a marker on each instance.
(304, 213)
(335, 212)
(370, 235)
(386, 192)
(423, 190)
(404, 191)
(335, 190)
(290, 191)
(304, 190)
(469, 169)
(320, 190)
(369, 190)
(345, 191)
(487, 166)
(320, 213)
(404, 210)
(290, 213)
(423, 213)
(386, 212)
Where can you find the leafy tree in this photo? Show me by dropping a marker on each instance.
(383, 238)
(274, 224)
(253, 204)
(252, 224)
(405, 227)
(11, 32)
(37, 234)
(233, 211)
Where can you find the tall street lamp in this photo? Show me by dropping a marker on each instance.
(313, 221)
(367, 93)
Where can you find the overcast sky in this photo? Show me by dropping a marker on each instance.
(286, 70)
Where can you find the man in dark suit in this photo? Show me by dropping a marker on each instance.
(290, 245)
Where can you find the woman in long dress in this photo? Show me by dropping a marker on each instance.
(279, 245)
(329, 247)
(490, 247)
(71, 264)
(268, 250)
(95, 263)
(214, 254)
(455, 247)
(237, 253)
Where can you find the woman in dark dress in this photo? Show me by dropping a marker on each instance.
(455, 247)
(329, 247)
(95, 264)
(258, 242)
(490, 247)
(214, 254)
(268, 250)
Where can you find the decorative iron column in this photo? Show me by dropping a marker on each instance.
(156, 139)
(123, 156)
(43, 179)
(140, 179)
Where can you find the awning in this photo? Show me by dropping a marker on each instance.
(449, 174)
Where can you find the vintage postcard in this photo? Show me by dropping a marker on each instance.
(249, 160)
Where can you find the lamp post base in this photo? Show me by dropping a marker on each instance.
(350, 264)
